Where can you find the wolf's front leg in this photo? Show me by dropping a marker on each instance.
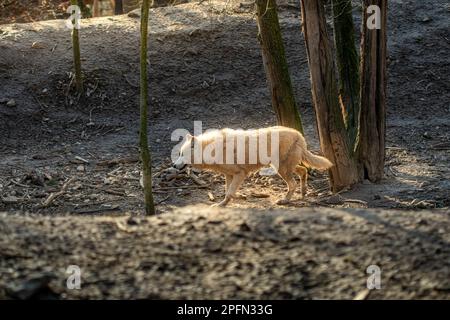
(228, 179)
(231, 190)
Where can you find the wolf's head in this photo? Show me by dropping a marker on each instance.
(186, 155)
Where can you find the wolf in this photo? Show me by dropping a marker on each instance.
(237, 153)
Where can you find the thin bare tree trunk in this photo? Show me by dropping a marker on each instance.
(332, 132)
(275, 65)
(347, 60)
(77, 55)
(373, 94)
(143, 139)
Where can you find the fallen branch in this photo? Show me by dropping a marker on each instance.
(196, 179)
(441, 146)
(55, 195)
(356, 201)
(19, 184)
(82, 159)
(182, 187)
(114, 192)
(259, 195)
(96, 210)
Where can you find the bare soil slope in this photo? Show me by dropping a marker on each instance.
(205, 66)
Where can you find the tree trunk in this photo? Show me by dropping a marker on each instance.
(143, 139)
(76, 54)
(275, 65)
(118, 7)
(348, 66)
(332, 133)
(373, 94)
(85, 11)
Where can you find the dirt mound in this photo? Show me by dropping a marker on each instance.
(200, 252)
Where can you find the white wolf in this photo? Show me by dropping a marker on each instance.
(236, 153)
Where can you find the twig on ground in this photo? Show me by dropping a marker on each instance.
(362, 295)
(129, 82)
(19, 184)
(55, 195)
(441, 146)
(182, 187)
(356, 201)
(196, 179)
(81, 159)
(162, 200)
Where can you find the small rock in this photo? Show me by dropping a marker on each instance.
(37, 45)
(133, 221)
(11, 103)
(422, 222)
(134, 14)
(34, 288)
(80, 168)
(426, 135)
(244, 227)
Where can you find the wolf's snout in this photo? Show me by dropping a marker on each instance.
(179, 164)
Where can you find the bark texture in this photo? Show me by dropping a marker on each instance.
(332, 132)
(373, 94)
(77, 55)
(143, 138)
(347, 61)
(275, 65)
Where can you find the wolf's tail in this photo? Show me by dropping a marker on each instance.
(316, 162)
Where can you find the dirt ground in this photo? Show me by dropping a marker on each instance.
(205, 65)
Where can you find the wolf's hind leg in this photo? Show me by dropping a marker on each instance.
(303, 173)
(228, 179)
(232, 188)
(288, 177)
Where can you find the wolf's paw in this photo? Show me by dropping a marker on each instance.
(282, 202)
